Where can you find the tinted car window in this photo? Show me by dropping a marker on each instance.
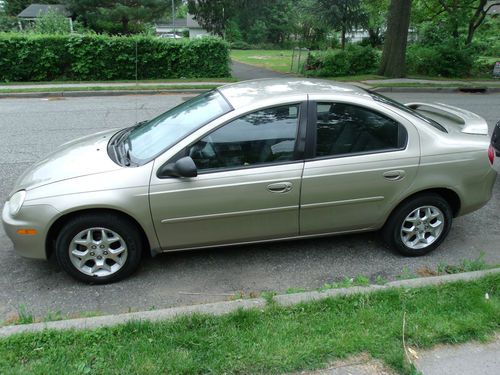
(345, 129)
(261, 137)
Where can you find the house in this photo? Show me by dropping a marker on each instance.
(180, 25)
(34, 11)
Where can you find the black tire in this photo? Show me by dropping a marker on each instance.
(391, 232)
(125, 228)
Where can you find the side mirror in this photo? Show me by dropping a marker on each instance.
(184, 167)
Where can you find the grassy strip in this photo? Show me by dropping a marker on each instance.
(170, 80)
(442, 85)
(109, 88)
(277, 60)
(275, 340)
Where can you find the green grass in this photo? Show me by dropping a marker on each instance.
(108, 88)
(274, 340)
(277, 60)
(442, 85)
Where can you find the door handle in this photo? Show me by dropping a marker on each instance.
(395, 175)
(280, 187)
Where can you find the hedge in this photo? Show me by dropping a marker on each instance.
(355, 59)
(101, 57)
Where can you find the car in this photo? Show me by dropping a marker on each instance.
(253, 161)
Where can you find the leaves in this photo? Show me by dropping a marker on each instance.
(101, 57)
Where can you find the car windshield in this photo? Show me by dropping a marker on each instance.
(151, 138)
(389, 101)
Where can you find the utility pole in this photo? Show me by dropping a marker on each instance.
(173, 16)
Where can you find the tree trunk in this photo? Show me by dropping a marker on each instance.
(393, 55)
(342, 37)
(125, 25)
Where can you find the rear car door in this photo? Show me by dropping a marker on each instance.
(361, 160)
(247, 188)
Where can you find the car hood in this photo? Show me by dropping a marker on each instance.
(80, 157)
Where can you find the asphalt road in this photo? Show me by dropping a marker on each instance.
(30, 128)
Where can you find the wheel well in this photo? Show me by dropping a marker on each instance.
(56, 227)
(449, 195)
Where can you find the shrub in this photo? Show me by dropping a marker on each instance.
(448, 59)
(355, 59)
(99, 57)
(240, 45)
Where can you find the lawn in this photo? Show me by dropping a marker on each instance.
(277, 60)
(273, 340)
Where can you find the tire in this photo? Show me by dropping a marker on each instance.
(418, 226)
(99, 248)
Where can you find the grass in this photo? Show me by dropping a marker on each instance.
(277, 60)
(274, 340)
(108, 88)
(441, 85)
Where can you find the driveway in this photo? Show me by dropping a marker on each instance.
(243, 72)
(31, 128)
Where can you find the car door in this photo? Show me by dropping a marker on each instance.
(361, 160)
(247, 188)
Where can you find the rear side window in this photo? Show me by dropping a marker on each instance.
(343, 129)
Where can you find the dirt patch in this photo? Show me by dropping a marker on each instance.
(361, 364)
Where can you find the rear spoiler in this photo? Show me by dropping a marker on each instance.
(470, 122)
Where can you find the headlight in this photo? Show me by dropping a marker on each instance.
(16, 202)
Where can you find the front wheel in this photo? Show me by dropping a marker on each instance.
(99, 248)
(419, 225)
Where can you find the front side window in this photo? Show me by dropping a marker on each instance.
(348, 129)
(262, 137)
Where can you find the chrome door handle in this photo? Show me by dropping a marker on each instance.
(395, 175)
(280, 187)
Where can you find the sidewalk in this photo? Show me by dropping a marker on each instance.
(111, 84)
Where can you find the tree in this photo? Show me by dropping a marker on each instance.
(343, 15)
(461, 18)
(14, 7)
(393, 55)
(213, 15)
(121, 17)
(375, 20)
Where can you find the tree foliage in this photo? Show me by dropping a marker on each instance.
(117, 17)
(14, 7)
(344, 15)
(458, 18)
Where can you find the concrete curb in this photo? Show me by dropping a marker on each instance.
(77, 94)
(221, 308)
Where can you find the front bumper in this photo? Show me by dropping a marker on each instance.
(38, 217)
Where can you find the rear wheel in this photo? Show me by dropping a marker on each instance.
(419, 225)
(99, 248)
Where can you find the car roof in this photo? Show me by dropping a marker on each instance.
(243, 93)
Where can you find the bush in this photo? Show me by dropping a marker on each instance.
(355, 59)
(240, 45)
(99, 57)
(448, 59)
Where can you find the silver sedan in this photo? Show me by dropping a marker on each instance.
(254, 161)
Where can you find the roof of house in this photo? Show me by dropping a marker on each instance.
(188, 23)
(494, 10)
(38, 10)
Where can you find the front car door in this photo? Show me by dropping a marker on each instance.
(362, 158)
(247, 188)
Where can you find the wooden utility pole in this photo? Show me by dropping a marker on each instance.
(396, 36)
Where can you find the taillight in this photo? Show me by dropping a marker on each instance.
(491, 154)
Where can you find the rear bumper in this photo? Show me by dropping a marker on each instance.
(479, 193)
(29, 217)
